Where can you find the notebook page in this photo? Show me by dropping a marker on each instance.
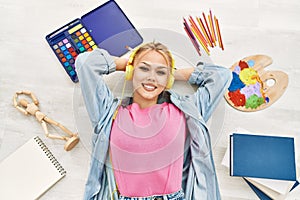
(27, 173)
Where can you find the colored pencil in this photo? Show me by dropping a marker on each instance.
(185, 23)
(191, 36)
(208, 29)
(219, 33)
(205, 34)
(193, 41)
(212, 28)
(194, 25)
(190, 32)
(200, 41)
(204, 31)
(212, 31)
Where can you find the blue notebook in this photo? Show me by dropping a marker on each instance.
(260, 194)
(258, 156)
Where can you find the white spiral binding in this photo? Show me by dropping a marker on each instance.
(50, 155)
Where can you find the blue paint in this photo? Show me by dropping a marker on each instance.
(251, 63)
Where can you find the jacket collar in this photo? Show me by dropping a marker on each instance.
(184, 103)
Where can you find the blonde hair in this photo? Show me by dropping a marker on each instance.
(158, 47)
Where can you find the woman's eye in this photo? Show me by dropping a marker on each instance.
(161, 72)
(144, 68)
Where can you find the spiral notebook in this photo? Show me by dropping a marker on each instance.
(29, 172)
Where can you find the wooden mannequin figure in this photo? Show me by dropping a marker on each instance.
(32, 109)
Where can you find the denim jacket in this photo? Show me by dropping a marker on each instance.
(199, 179)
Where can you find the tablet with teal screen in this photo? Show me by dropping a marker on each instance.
(105, 27)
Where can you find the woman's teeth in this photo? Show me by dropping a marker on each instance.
(149, 87)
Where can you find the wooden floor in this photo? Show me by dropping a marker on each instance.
(248, 27)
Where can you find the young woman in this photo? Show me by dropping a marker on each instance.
(155, 144)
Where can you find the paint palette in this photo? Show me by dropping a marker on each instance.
(92, 31)
(82, 39)
(69, 43)
(253, 88)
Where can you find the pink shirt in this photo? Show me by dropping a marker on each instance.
(147, 148)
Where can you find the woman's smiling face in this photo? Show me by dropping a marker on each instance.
(150, 76)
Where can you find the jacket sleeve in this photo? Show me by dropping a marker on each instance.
(90, 67)
(212, 81)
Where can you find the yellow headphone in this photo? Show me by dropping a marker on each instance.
(129, 69)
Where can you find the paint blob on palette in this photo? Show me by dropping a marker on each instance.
(68, 42)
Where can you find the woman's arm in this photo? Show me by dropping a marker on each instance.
(121, 63)
(90, 67)
(183, 74)
(212, 81)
